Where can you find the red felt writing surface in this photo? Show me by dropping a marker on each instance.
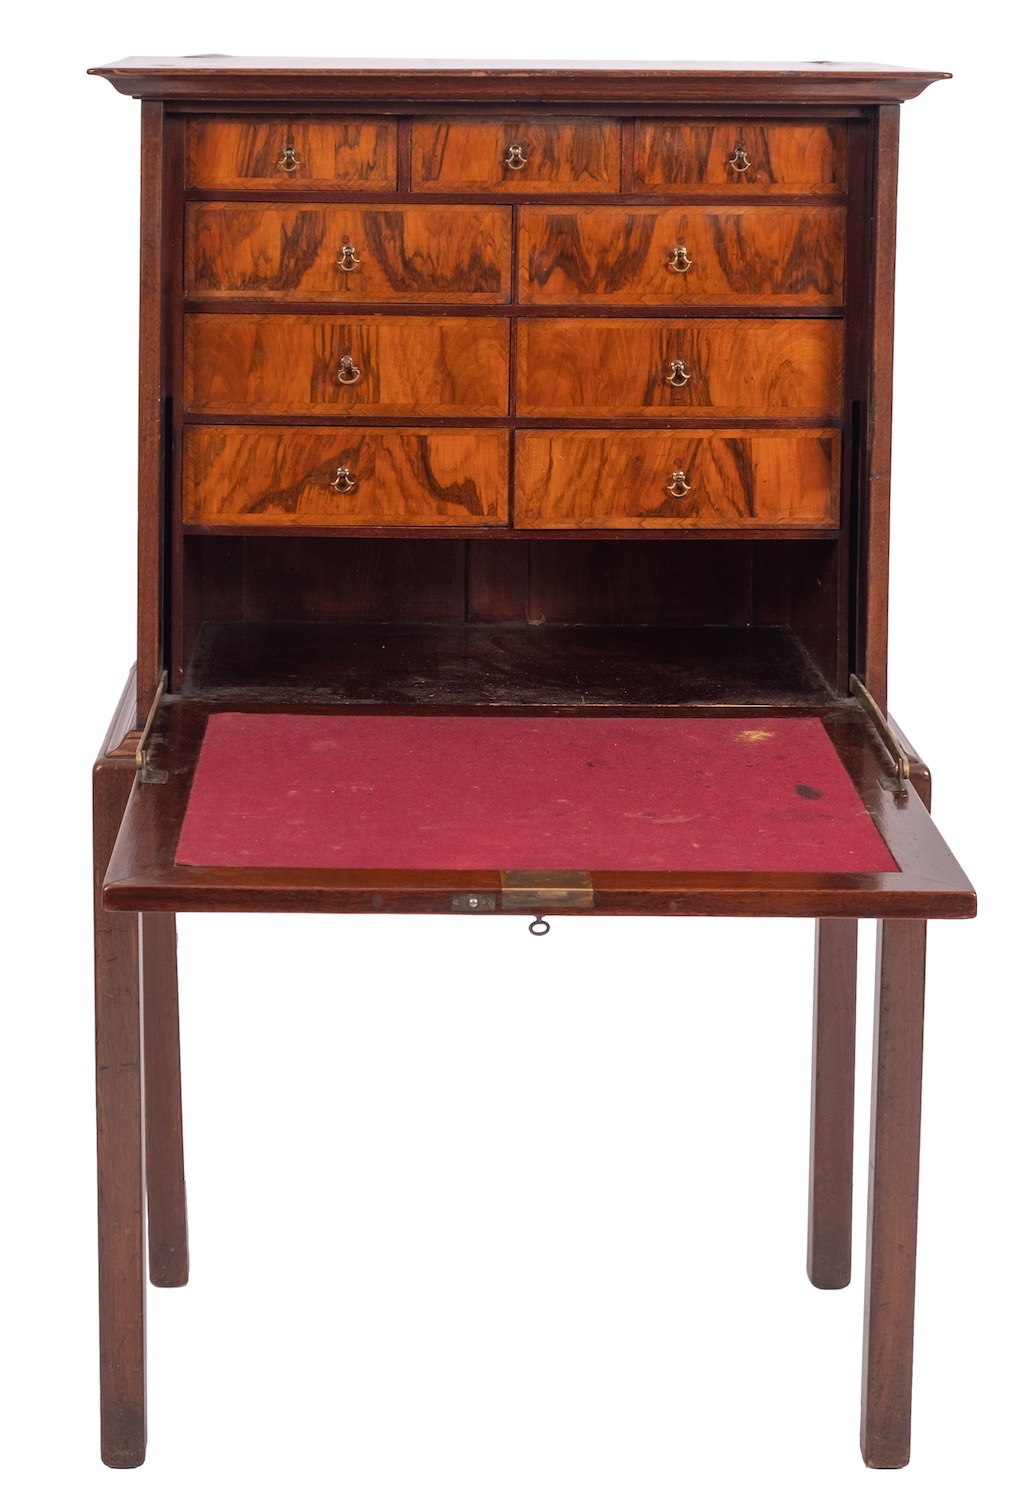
(452, 793)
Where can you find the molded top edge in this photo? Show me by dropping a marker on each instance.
(224, 77)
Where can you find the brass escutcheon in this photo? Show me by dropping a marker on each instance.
(289, 161)
(679, 485)
(515, 158)
(739, 161)
(677, 373)
(347, 260)
(348, 371)
(679, 260)
(344, 481)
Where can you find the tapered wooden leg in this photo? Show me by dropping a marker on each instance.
(829, 1239)
(121, 1179)
(165, 1163)
(892, 1204)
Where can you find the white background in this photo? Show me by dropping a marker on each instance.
(475, 1215)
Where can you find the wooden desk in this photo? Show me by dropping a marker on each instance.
(536, 418)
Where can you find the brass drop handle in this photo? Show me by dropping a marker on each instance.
(347, 260)
(344, 480)
(677, 373)
(289, 161)
(739, 161)
(679, 485)
(679, 260)
(348, 371)
(515, 158)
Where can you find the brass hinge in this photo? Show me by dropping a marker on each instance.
(543, 890)
(885, 732)
(145, 770)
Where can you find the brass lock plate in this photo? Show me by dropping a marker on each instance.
(546, 890)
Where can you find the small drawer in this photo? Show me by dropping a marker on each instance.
(320, 477)
(749, 254)
(292, 155)
(325, 253)
(719, 479)
(516, 156)
(637, 367)
(373, 366)
(736, 155)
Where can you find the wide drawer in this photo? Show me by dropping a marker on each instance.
(279, 365)
(739, 367)
(516, 156)
(292, 155)
(673, 479)
(348, 253)
(738, 155)
(329, 476)
(744, 254)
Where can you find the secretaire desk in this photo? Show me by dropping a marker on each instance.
(513, 533)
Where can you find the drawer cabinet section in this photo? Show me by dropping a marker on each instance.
(711, 479)
(726, 367)
(707, 157)
(348, 253)
(516, 156)
(289, 155)
(747, 255)
(323, 477)
(277, 365)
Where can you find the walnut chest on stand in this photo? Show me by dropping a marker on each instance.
(536, 420)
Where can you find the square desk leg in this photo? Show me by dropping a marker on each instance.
(137, 1069)
(893, 1193)
(829, 1241)
(119, 1145)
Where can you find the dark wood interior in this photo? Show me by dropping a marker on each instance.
(656, 621)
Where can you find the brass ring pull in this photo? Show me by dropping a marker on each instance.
(678, 374)
(539, 927)
(347, 260)
(344, 480)
(289, 161)
(679, 485)
(348, 371)
(739, 161)
(679, 260)
(515, 158)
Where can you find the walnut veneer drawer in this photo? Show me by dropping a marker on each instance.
(279, 365)
(348, 253)
(686, 478)
(516, 156)
(747, 254)
(708, 156)
(350, 153)
(330, 476)
(738, 367)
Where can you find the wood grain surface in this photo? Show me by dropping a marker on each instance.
(607, 479)
(697, 156)
(274, 365)
(749, 367)
(349, 153)
(450, 253)
(746, 254)
(249, 476)
(561, 155)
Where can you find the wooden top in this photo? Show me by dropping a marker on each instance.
(342, 79)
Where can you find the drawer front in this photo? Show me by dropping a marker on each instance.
(516, 156)
(331, 476)
(745, 255)
(740, 156)
(635, 367)
(325, 253)
(275, 365)
(672, 480)
(289, 155)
